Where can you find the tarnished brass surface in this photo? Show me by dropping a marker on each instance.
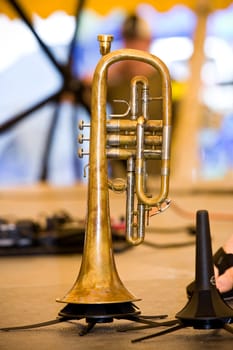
(124, 125)
(128, 140)
(98, 280)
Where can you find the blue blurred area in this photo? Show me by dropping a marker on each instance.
(22, 148)
(215, 146)
(220, 24)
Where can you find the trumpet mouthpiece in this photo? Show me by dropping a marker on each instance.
(105, 43)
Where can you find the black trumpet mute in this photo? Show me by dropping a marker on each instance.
(205, 309)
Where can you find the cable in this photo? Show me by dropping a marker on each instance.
(169, 245)
(190, 215)
(190, 229)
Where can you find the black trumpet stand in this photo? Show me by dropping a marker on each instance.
(98, 313)
(205, 309)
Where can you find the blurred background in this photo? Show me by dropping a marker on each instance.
(49, 47)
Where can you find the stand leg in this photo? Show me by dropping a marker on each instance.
(166, 331)
(147, 323)
(228, 328)
(36, 325)
(87, 329)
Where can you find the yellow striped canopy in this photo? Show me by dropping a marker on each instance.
(44, 8)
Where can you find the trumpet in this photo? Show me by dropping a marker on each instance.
(98, 292)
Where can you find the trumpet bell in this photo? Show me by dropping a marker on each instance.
(93, 287)
(98, 280)
(111, 291)
(98, 293)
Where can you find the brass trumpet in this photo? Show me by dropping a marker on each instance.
(98, 293)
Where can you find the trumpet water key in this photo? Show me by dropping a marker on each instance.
(98, 293)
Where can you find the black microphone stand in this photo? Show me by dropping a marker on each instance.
(205, 309)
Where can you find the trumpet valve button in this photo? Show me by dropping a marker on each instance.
(82, 153)
(80, 138)
(82, 125)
